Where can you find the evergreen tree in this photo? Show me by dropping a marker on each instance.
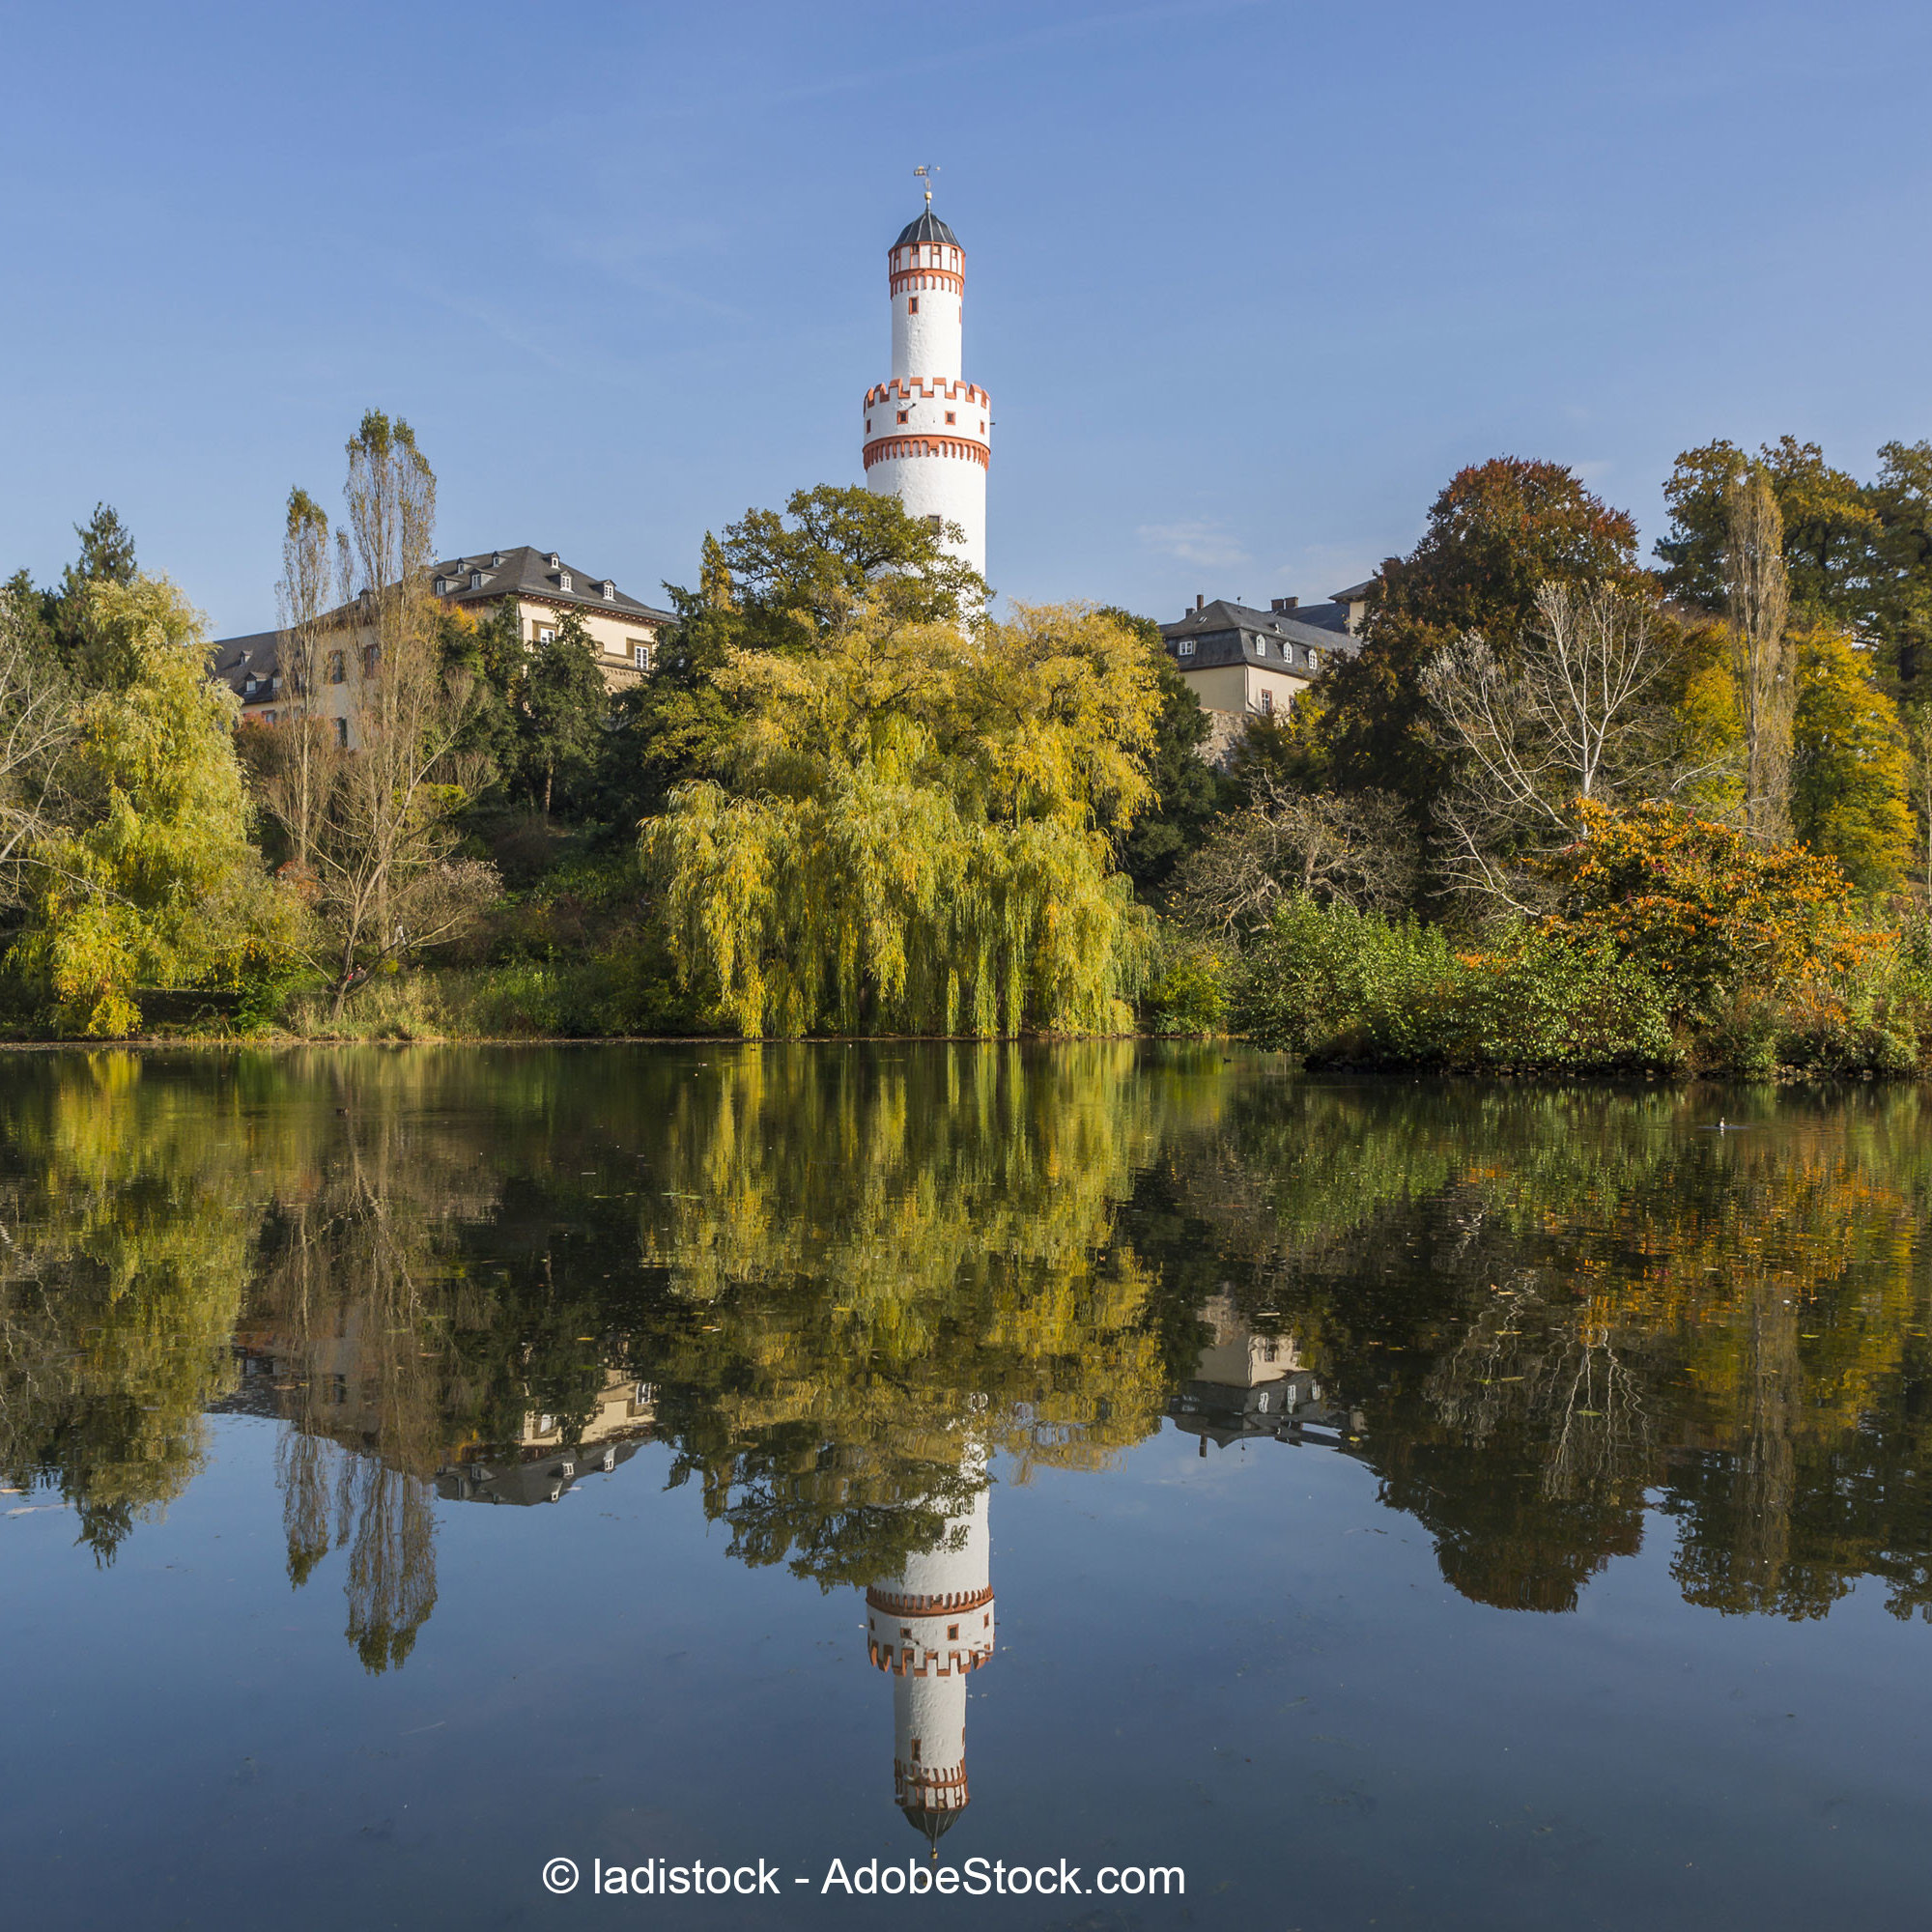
(490, 651)
(1187, 792)
(1902, 568)
(563, 707)
(106, 556)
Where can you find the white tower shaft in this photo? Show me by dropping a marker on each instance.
(928, 429)
(931, 1626)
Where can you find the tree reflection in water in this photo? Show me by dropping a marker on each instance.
(1541, 1317)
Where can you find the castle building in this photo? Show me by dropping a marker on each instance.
(1244, 662)
(539, 583)
(930, 1627)
(928, 429)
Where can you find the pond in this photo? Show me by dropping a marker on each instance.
(1034, 1478)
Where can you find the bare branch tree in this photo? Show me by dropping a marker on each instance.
(1757, 596)
(1356, 849)
(1575, 717)
(376, 817)
(311, 587)
(36, 727)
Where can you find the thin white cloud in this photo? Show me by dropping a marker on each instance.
(1205, 544)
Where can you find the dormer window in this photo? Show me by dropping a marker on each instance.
(609, 587)
(1314, 661)
(441, 585)
(1184, 648)
(554, 560)
(476, 580)
(496, 559)
(564, 580)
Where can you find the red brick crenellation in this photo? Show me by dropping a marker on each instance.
(928, 387)
(899, 1604)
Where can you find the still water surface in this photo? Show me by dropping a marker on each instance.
(1395, 1505)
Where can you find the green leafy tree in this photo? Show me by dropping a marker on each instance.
(488, 653)
(777, 581)
(155, 881)
(913, 831)
(1829, 527)
(1496, 534)
(1188, 794)
(563, 705)
(1849, 778)
(1902, 572)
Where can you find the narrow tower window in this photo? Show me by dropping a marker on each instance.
(912, 304)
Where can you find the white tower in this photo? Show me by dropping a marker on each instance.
(926, 430)
(930, 1626)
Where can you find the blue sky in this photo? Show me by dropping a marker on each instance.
(1247, 282)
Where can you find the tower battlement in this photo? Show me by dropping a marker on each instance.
(935, 388)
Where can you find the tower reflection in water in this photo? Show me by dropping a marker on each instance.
(930, 1627)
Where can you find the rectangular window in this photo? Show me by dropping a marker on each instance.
(951, 416)
(1185, 647)
(338, 670)
(342, 734)
(912, 304)
(902, 415)
(546, 635)
(372, 656)
(641, 656)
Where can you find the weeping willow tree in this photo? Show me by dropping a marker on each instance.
(913, 832)
(126, 1225)
(879, 1272)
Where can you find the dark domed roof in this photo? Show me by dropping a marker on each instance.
(931, 1824)
(927, 228)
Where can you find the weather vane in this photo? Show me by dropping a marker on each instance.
(926, 175)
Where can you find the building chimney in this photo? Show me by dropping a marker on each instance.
(1199, 601)
(1283, 602)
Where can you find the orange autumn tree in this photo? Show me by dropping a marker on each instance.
(1714, 915)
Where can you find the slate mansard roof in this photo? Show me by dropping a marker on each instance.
(1224, 632)
(927, 228)
(249, 665)
(525, 572)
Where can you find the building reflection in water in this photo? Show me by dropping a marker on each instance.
(1248, 1383)
(540, 1465)
(930, 1627)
